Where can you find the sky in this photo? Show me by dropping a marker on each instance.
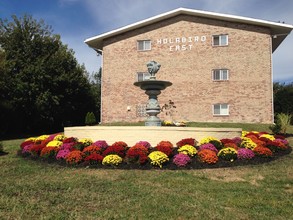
(77, 20)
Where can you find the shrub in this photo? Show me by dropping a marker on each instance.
(112, 159)
(282, 123)
(188, 150)
(228, 153)
(90, 118)
(245, 154)
(181, 160)
(74, 157)
(158, 158)
(207, 156)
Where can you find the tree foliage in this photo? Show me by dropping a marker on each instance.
(283, 98)
(42, 85)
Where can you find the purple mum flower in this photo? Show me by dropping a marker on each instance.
(245, 154)
(181, 160)
(101, 143)
(62, 154)
(145, 144)
(208, 146)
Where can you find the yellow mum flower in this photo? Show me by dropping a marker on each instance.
(59, 137)
(54, 144)
(188, 150)
(268, 136)
(86, 141)
(112, 159)
(208, 140)
(248, 143)
(41, 138)
(31, 139)
(158, 158)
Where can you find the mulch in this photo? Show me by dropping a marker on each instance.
(195, 164)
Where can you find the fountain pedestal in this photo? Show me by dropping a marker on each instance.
(153, 88)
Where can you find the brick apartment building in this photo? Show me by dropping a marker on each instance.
(220, 66)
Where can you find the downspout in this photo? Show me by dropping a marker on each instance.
(272, 83)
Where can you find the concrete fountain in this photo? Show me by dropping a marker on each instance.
(152, 132)
(153, 88)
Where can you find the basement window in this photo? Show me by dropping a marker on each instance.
(144, 45)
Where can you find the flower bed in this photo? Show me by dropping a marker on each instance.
(251, 148)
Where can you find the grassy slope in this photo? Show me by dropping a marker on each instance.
(32, 190)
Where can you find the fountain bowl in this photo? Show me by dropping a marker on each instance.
(153, 84)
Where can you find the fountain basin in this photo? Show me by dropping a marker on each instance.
(153, 84)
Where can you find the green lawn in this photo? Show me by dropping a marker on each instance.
(34, 190)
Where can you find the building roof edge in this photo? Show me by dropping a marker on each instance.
(279, 31)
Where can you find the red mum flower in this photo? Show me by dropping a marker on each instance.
(263, 151)
(186, 141)
(115, 149)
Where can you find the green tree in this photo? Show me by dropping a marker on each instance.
(283, 98)
(95, 82)
(46, 87)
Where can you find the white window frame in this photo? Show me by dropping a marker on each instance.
(223, 111)
(221, 73)
(221, 43)
(143, 75)
(144, 45)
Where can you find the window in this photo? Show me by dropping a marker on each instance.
(220, 40)
(220, 74)
(220, 109)
(141, 76)
(143, 45)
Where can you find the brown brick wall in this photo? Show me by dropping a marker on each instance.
(248, 58)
